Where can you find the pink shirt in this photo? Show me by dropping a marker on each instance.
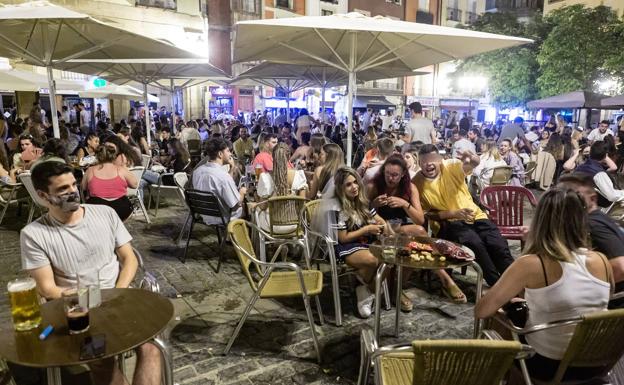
(265, 159)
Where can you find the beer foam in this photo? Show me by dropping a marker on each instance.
(21, 286)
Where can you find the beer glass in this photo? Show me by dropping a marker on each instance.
(24, 303)
(259, 169)
(76, 305)
(90, 280)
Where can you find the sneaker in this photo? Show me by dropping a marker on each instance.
(364, 301)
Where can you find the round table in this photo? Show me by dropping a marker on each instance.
(128, 318)
(407, 262)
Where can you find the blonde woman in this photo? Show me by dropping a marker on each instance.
(489, 159)
(410, 154)
(331, 159)
(560, 279)
(357, 226)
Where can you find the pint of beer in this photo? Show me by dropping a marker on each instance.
(259, 169)
(24, 303)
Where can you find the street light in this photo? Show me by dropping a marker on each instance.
(471, 84)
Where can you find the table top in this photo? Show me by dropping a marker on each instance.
(128, 318)
(425, 264)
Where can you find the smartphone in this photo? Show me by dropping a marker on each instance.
(93, 347)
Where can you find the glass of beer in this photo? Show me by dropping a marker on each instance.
(76, 305)
(24, 303)
(259, 169)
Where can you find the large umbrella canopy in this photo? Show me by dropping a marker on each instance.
(114, 91)
(177, 72)
(613, 102)
(576, 99)
(354, 43)
(47, 35)
(17, 80)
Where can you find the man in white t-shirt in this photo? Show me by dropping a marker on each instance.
(599, 133)
(386, 121)
(419, 128)
(72, 240)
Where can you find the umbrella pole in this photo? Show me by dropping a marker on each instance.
(288, 101)
(323, 98)
(52, 93)
(350, 99)
(172, 84)
(148, 126)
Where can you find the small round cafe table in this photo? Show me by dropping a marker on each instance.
(127, 317)
(405, 261)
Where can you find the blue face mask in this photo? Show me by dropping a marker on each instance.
(68, 202)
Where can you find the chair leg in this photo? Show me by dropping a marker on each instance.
(242, 320)
(165, 352)
(144, 210)
(187, 241)
(221, 240)
(306, 302)
(121, 363)
(367, 348)
(386, 294)
(4, 210)
(181, 235)
(335, 290)
(157, 202)
(319, 310)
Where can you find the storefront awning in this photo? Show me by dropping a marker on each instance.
(372, 101)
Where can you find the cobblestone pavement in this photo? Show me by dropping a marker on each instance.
(275, 345)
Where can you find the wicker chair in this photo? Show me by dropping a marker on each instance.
(271, 283)
(320, 248)
(284, 221)
(594, 344)
(439, 362)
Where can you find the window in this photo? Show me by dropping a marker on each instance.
(423, 5)
(283, 4)
(453, 14)
(397, 2)
(166, 4)
(330, 1)
(326, 12)
(247, 6)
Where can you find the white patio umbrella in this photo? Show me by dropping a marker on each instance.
(18, 80)
(47, 35)
(114, 91)
(354, 43)
(178, 72)
(292, 77)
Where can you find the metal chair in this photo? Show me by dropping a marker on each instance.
(439, 362)
(194, 149)
(159, 187)
(272, 283)
(527, 174)
(146, 160)
(36, 202)
(133, 193)
(320, 248)
(505, 206)
(181, 179)
(206, 203)
(594, 344)
(10, 193)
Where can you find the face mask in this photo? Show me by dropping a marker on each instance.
(68, 203)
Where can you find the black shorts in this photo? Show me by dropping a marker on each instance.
(122, 206)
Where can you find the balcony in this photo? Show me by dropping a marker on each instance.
(453, 14)
(424, 17)
(285, 4)
(388, 87)
(250, 7)
(471, 17)
(165, 4)
(515, 5)
(490, 5)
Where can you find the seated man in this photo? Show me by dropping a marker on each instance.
(212, 177)
(265, 157)
(444, 194)
(606, 236)
(596, 168)
(73, 238)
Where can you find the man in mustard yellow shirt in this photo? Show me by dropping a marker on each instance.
(453, 214)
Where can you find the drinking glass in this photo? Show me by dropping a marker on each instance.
(24, 303)
(389, 248)
(90, 280)
(76, 305)
(395, 224)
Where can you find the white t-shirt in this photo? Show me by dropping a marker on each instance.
(77, 249)
(596, 135)
(420, 129)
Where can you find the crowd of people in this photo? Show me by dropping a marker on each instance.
(407, 177)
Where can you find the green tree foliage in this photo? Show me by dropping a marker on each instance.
(512, 73)
(578, 50)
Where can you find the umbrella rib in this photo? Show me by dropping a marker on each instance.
(32, 32)
(56, 40)
(19, 51)
(330, 47)
(315, 57)
(391, 51)
(95, 48)
(370, 44)
(373, 65)
(77, 32)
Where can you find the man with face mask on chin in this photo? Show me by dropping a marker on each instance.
(74, 239)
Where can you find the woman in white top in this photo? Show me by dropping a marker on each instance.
(560, 278)
(489, 159)
(283, 180)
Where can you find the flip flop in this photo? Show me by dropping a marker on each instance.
(454, 293)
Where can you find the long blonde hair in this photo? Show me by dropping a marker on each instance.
(334, 159)
(492, 149)
(559, 227)
(281, 154)
(357, 209)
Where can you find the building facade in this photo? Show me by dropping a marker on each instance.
(616, 5)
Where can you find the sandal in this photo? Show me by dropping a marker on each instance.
(454, 293)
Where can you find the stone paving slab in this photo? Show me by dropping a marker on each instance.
(274, 346)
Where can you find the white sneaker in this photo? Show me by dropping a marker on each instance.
(364, 301)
